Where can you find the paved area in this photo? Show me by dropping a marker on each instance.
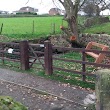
(47, 94)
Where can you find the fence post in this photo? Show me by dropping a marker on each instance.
(1, 29)
(48, 58)
(24, 55)
(83, 65)
(53, 28)
(2, 53)
(33, 27)
(102, 89)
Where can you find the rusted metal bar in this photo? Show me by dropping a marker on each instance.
(48, 58)
(24, 56)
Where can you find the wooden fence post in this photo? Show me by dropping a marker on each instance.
(24, 55)
(48, 58)
(53, 28)
(1, 29)
(2, 46)
(83, 65)
(102, 89)
(33, 27)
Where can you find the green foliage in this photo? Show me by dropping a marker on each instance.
(26, 13)
(7, 103)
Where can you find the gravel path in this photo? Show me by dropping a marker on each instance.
(39, 93)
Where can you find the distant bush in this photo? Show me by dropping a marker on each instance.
(26, 13)
(7, 103)
(96, 20)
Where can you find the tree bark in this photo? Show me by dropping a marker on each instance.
(72, 22)
(71, 17)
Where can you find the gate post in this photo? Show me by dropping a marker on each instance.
(48, 58)
(24, 55)
(83, 64)
(102, 89)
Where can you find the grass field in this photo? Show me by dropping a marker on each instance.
(102, 28)
(23, 28)
(20, 28)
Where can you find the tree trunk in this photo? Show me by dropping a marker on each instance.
(72, 22)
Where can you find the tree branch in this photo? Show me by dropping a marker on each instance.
(82, 4)
(27, 2)
(61, 2)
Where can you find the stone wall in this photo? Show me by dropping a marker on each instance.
(60, 40)
(102, 89)
(99, 38)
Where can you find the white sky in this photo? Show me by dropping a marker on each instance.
(12, 5)
(42, 5)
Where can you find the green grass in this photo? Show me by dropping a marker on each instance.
(98, 29)
(74, 78)
(20, 28)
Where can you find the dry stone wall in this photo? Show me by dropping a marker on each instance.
(99, 38)
(84, 39)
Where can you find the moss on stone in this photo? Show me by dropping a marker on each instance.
(7, 103)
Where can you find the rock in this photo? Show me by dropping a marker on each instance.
(55, 107)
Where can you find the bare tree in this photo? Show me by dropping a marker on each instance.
(89, 9)
(73, 6)
(99, 5)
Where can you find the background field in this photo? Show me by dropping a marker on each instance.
(31, 27)
(20, 28)
(102, 28)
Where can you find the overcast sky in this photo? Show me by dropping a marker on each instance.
(42, 5)
(13, 5)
